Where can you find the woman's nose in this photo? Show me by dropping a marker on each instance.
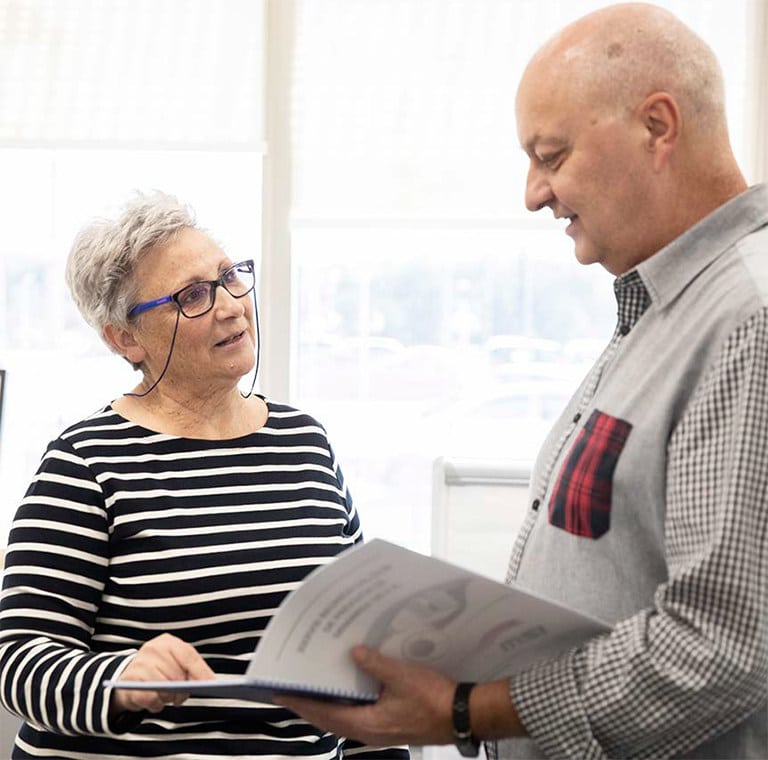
(226, 303)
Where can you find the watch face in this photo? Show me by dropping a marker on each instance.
(468, 747)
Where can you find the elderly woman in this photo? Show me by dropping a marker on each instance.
(161, 532)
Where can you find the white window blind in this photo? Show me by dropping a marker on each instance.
(181, 72)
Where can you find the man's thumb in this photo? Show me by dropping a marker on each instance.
(372, 662)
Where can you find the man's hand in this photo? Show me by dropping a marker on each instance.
(164, 658)
(414, 706)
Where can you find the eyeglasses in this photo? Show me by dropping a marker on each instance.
(197, 299)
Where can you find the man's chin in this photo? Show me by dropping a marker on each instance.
(586, 254)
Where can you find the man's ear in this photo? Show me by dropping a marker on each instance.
(663, 123)
(124, 342)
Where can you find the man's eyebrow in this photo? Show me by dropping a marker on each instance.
(538, 141)
(529, 144)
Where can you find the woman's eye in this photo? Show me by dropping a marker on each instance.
(194, 294)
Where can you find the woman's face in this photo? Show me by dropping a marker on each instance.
(213, 351)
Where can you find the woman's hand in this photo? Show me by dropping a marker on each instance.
(164, 658)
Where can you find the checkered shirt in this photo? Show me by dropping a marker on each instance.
(648, 509)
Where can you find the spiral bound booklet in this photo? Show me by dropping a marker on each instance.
(408, 606)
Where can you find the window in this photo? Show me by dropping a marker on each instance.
(433, 315)
(101, 99)
(429, 313)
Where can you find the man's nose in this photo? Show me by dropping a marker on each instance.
(538, 191)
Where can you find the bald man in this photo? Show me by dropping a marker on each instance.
(649, 499)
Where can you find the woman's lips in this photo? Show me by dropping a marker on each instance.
(231, 341)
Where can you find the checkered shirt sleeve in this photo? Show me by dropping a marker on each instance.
(695, 664)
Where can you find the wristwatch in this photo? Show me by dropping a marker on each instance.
(467, 745)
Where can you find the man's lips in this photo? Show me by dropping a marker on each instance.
(571, 218)
(571, 228)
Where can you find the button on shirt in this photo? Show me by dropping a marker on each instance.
(653, 492)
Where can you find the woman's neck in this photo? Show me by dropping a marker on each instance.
(211, 415)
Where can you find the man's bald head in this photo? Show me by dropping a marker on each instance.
(622, 118)
(618, 55)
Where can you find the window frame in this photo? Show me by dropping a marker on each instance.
(277, 284)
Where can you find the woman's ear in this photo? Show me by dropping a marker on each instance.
(663, 123)
(124, 342)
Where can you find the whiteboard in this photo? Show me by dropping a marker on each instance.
(478, 506)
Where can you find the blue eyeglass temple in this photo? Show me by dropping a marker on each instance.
(147, 305)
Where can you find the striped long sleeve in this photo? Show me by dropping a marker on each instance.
(124, 534)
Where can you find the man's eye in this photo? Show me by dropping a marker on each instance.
(230, 276)
(550, 161)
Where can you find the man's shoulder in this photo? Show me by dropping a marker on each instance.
(752, 252)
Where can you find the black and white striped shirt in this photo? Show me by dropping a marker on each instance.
(126, 533)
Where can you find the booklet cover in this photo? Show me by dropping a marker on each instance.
(408, 606)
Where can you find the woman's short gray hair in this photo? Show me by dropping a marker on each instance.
(102, 261)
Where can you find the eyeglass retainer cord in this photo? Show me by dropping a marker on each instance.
(173, 343)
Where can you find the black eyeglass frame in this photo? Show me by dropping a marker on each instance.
(139, 308)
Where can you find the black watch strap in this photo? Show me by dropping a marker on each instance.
(462, 730)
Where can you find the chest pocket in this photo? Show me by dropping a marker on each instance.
(581, 500)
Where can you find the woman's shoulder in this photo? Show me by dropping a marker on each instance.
(287, 415)
(104, 422)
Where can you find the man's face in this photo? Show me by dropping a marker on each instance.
(588, 165)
